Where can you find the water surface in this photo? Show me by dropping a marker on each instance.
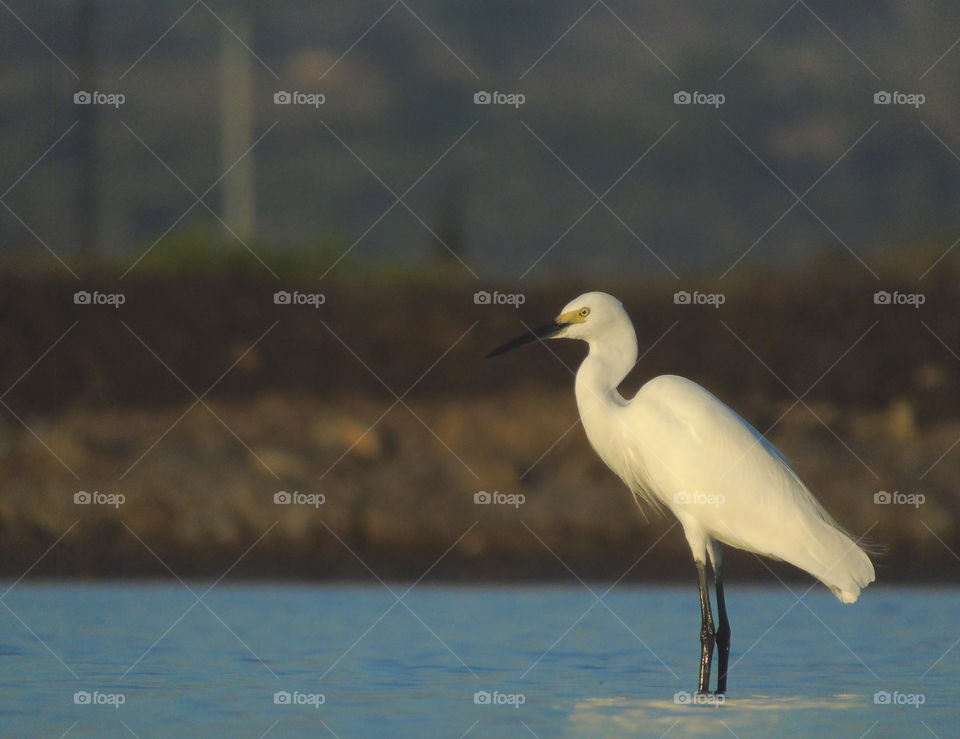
(554, 661)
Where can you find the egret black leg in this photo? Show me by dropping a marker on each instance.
(723, 633)
(707, 632)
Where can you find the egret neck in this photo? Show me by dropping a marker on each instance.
(613, 353)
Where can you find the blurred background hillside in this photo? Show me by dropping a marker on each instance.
(188, 200)
(399, 81)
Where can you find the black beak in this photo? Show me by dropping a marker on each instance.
(544, 332)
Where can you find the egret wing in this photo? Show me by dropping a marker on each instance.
(712, 468)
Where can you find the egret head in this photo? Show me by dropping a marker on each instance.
(586, 317)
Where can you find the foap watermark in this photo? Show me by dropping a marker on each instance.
(496, 698)
(296, 698)
(514, 99)
(313, 99)
(95, 497)
(896, 698)
(112, 99)
(85, 297)
(295, 497)
(683, 297)
(483, 297)
(687, 497)
(895, 497)
(885, 297)
(286, 297)
(96, 698)
(495, 497)
(913, 99)
(714, 99)
(683, 698)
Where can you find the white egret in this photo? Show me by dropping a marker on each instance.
(675, 445)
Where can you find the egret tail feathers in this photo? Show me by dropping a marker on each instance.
(840, 564)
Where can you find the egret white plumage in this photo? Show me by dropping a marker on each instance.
(677, 446)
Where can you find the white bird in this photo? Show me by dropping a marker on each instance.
(676, 445)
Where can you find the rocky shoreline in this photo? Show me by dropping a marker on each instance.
(302, 400)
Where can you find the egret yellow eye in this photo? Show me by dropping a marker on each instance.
(584, 312)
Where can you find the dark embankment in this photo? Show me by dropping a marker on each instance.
(380, 401)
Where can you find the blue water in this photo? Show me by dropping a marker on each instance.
(554, 660)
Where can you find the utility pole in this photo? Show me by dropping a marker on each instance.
(88, 149)
(236, 123)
